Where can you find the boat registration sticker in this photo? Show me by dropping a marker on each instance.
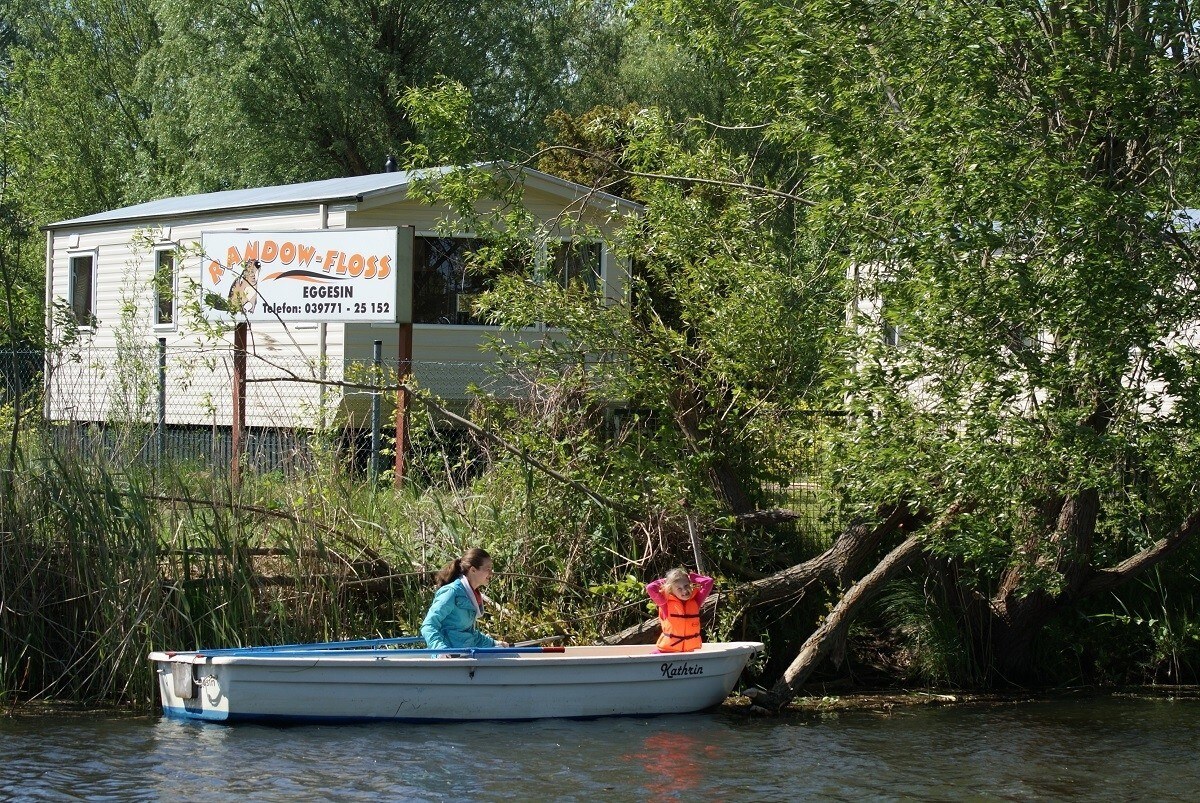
(181, 675)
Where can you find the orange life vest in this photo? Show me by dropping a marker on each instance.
(680, 620)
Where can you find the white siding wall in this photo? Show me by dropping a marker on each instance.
(85, 382)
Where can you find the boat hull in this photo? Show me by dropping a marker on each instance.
(356, 686)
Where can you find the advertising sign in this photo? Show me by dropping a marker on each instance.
(342, 275)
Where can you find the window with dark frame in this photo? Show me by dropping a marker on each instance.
(164, 288)
(577, 261)
(82, 300)
(891, 335)
(890, 331)
(444, 287)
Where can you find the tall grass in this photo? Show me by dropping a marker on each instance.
(1146, 632)
(102, 564)
(104, 559)
(926, 644)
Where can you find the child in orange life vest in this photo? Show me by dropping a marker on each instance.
(679, 596)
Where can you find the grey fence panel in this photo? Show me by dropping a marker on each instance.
(20, 372)
(104, 402)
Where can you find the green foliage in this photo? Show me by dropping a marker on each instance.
(589, 149)
(1163, 632)
(992, 186)
(930, 648)
(1003, 198)
(987, 173)
(433, 110)
(626, 589)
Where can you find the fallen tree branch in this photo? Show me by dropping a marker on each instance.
(832, 632)
(1107, 579)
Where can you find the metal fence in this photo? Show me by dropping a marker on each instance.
(159, 405)
(20, 371)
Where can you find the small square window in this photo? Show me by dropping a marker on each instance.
(82, 288)
(577, 261)
(164, 288)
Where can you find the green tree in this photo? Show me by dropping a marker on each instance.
(718, 349)
(1007, 180)
(624, 56)
(20, 300)
(74, 137)
(1000, 186)
(302, 90)
(80, 98)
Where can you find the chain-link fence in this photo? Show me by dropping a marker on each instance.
(158, 405)
(20, 371)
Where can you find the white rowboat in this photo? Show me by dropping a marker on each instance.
(363, 681)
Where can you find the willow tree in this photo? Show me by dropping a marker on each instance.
(1003, 186)
(1007, 184)
(305, 89)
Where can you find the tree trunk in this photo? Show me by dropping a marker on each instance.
(830, 636)
(1017, 618)
(832, 632)
(1012, 629)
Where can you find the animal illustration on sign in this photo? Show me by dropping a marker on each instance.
(243, 297)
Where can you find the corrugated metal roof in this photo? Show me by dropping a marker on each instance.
(335, 190)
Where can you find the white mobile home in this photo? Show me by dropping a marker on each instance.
(123, 285)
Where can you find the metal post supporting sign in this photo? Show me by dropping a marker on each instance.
(239, 400)
(405, 243)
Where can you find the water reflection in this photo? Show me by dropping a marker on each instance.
(1086, 750)
(674, 763)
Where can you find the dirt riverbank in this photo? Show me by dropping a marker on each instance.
(885, 701)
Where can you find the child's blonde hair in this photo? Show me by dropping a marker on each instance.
(677, 578)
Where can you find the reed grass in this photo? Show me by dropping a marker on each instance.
(103, 560)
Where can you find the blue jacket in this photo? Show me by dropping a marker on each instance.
(450, 621)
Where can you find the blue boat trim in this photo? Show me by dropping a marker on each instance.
(221, 718)
(375, 643)
(364, 652)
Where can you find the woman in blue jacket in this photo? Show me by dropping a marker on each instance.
(450, 622)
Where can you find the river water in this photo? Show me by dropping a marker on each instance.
(1095, 749)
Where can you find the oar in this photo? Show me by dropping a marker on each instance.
(532, 642)
(375, 643)
(285, 652)
(492, 650)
